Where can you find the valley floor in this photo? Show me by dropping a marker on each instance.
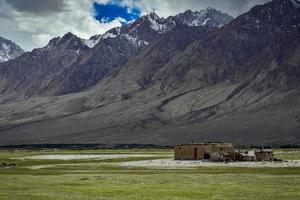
(102, 174)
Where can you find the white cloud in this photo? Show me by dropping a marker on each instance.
(76, 17)
(166, 8)
(41, 39)
(33, 28)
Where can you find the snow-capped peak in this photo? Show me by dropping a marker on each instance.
(209, 17)
(142, 30)
(153, 16)
(94, 40)
(90, 43)
(9, 50)
(156, 24)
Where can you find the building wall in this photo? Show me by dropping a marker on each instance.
(264, 156)
(189, 152)
(214, 152)
(218, 152)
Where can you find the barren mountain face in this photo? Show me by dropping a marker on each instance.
(162, 81)
(71, 64)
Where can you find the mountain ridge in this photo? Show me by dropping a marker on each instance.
(70, 64)
(231, 84)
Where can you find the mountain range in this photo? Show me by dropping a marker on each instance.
(70, 64)
(9, 50)
(196, 76)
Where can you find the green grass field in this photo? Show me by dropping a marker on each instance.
(95, 179)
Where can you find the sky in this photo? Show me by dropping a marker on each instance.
(32, 23)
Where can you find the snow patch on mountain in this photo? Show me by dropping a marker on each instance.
(5, 47)
(109, 35)
(208, 17)
(130, 38)
(132, 32)
(205, 22)
(134, 40)
(135, 32)
(4, 57)
(90, 42)
(9, 50)
(93, 41)
(157, 23)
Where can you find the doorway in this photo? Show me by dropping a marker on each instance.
(195, 153)
(206, 156)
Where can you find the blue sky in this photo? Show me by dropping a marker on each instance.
(111, 11)
(32, 23)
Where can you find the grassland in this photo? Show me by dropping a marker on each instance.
(96, 179)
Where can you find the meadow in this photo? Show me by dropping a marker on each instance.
(101, 179)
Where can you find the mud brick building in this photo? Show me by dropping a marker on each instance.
(205, 151)
(219, 152)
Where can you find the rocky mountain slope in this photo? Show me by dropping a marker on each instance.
(70, 64)
(239, 83)
(9, 50)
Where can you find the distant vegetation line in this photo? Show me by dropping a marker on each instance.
(128, 146)
(85, 146)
